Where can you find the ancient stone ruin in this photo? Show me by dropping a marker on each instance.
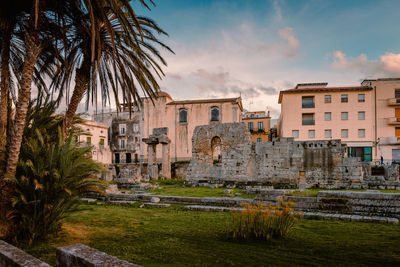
(286, 162)
(159, 136)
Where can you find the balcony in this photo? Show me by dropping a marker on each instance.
(308, 122)
(393, 121)
(392, 140)
(307, 105)
(393, 102)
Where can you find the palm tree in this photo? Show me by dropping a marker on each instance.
(118, 61)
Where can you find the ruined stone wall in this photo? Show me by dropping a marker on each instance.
(286, 163)
(236, 153)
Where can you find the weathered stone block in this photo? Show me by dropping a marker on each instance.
(11, 256)
(79, 255)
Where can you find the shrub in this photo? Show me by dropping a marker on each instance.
(52, 174)
(262, 221)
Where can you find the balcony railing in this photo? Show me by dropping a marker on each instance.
(393, 101)
(392, 140)
(308, 105)
(308, 122)
(393, 121)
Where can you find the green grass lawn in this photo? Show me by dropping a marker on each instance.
(175, 237)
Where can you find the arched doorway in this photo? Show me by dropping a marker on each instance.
(216, 151)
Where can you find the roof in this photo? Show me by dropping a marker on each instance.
(323, 89)
(237, 100)
(162, 93)
(303, 85)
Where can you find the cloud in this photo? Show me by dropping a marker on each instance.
(268, 90)
(292, 48)
(388, 64)
(219, 77)
(175, 76)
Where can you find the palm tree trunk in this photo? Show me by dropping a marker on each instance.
(82, 79)
(32, 53)
(5, 88)
(24, 93)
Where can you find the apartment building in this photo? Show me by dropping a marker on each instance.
(314, 111)
(258, 123)
(95, 134)
(366, 117)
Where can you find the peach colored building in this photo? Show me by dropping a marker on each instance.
(366, 117)
(96, 135)
(386, 109)
(314, 111)
(258, 123)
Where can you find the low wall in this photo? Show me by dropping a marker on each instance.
(11, 256)
(79, 255)
(179, 169)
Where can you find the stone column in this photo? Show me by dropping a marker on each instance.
(166, 157)
(152, 166)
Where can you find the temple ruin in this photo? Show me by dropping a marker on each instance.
(285, 162)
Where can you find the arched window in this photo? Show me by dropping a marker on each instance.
(183, 115)
(216, 150)
(214, 114)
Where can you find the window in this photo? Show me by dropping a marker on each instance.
(258, 140)
(122, 128)
(252, 116)
(361, 132)
(307, 101)
(397, 93)
(260, 126)
(89, 140)
(214, 114)
(344, 98)
(328, 116)
(328, 98)
(251, 127)
(101, 143)
(345, 116)
(182, 115)
(308, 119)
(116, 157)
(128, 158)
(361, 115)
(122, 144)
(345, 133)
(295, 133)
(311, 133)
(361, 97)
(328, 133)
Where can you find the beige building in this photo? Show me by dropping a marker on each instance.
(258, 123)
(96, 135)
(180, 117)
(366, 117)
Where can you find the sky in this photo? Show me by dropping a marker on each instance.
(256, 48)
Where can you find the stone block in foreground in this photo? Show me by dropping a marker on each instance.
(79, 255)
(11, 256)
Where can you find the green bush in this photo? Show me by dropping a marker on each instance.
(52, 174)
(262, 221)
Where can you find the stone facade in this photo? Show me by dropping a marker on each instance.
(284, 163)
